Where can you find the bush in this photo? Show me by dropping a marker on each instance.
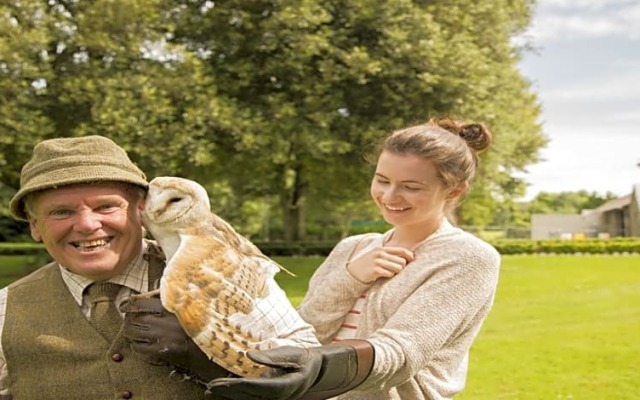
(559, 246)
(324, 247)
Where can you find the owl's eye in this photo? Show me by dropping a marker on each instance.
(175, 199)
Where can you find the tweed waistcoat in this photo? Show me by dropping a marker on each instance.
(53, 352)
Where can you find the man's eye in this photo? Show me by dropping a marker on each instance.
(59, 214)
(106, 207)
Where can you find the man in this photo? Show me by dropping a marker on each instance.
(61, 334)
(82, 198)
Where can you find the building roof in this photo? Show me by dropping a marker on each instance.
(615, 204)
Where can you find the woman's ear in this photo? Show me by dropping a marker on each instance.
(458, 190)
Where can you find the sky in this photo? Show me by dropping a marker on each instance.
(585, 69)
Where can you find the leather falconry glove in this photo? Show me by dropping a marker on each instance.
(302, 373)
(156, 335)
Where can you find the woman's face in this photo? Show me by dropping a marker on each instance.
(407, 190)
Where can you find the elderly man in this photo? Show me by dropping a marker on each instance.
(62, 335)
(61, 331)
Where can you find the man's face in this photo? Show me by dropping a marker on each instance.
(94, 230)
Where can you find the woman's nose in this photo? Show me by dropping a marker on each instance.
(390, 193)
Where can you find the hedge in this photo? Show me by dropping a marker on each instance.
(323, 248)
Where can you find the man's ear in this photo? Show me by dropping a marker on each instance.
(458, 190)
(35, 233)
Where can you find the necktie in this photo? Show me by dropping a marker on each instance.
(104, 314)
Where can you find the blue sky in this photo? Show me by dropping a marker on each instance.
(586, 72)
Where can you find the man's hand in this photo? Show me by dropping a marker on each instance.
(156, 335)
(303, 373)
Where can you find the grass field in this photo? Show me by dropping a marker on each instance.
(562, 327)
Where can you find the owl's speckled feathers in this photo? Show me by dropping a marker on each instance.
(219, 285)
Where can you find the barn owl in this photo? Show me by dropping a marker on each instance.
(218, 284)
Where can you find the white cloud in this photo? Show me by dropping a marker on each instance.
(586, 73)
(570, 19)
(619, 87)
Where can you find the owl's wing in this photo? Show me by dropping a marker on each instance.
(206, 282)
(225, 232)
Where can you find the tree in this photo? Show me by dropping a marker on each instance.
(567, 202)
(105, 67)
(267, 101)
(321, 79)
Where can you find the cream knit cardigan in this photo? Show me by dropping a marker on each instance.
(421, 322)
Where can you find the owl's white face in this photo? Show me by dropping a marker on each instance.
(173, 203)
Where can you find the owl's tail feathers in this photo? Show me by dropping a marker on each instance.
(227, 346)
(277, 266)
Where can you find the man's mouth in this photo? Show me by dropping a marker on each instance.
(90, 245)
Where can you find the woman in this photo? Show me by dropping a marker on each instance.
(396, 312)
(419, 292)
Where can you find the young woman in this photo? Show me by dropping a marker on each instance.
(419, 292)
(397, 312)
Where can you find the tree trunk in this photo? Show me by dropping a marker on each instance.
(293, 199)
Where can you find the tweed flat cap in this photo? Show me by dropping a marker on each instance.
(65, 161)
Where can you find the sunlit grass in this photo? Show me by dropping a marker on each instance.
(562, 327)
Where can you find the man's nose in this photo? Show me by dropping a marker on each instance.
(87, 221)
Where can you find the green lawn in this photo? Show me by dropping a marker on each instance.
(562, 327)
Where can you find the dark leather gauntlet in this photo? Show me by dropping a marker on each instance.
(156, 335)
(303, 373)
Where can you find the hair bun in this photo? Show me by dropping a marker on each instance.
(476, 135)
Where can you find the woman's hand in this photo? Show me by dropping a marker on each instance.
(383, 262)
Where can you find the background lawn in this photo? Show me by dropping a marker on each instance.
(562, 327)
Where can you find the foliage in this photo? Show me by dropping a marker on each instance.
(324, 247)
(559, 246)
(567, 202)
(271, 101)
(518, 213)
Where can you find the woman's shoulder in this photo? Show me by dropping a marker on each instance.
(355, 239)
(354, 243)
(467, 244)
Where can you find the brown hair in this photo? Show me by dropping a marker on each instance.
(452, 145)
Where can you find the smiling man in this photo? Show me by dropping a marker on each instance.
(61, 333)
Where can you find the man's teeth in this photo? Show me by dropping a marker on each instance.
(91, 243)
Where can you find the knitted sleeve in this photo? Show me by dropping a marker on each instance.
(332, 291)
(435, 324)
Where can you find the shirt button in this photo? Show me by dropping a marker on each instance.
(117, 357)
(127, 394)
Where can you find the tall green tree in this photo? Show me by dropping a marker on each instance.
(276, 100)
(321, 79)
(70, 68)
